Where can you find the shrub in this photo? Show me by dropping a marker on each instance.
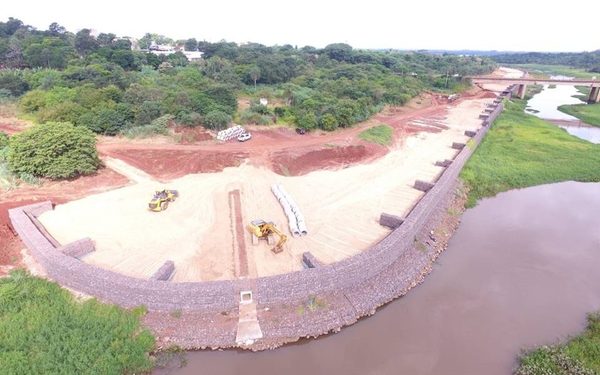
(104, 120)
(148, 111)
(307, 120)
(216, 120)
(55, 150)
(157, 126)
(328, 122)
(12, 81)
(190, 119)
(3, 140)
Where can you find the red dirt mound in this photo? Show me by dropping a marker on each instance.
(286, 163)
(170, 163)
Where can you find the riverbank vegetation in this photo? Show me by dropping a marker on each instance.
(588, 113)
(111, 86)
(580, 355)
(521, 150)
(545, 71)
(588, 61)
(44, 330)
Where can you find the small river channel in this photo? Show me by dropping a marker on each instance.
(521, 270)
(545, 106)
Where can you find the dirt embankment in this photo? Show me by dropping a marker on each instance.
(166, 164)
(300, 162)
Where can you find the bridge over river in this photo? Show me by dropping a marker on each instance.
(521, 84)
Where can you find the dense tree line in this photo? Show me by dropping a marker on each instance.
(589, 61)
(102, 83)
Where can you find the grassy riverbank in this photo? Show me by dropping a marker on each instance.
(580, 355)
(545, 70)
(588, 113)
(44, 330)
(521, 150)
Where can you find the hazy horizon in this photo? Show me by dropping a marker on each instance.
(449, 26)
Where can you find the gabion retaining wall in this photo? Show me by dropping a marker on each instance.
(356, 285)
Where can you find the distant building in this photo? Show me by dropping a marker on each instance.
(166, 50)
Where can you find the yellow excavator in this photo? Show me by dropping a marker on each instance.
(160, 200)
(265, 230)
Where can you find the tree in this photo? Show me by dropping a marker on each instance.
(85, 43)
(122, 44)
(10, 27)
(56, 150)
(216, 120)
(56, 30)
(50, 52)
(339, 51)
(107, 121)
(13, 82)
(254, 74)
(105, 39)
(191, 45)
(13, 57)
(328, 122)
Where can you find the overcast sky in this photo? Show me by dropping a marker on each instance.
(517, 25)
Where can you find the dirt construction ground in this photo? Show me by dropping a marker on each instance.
(340, 183)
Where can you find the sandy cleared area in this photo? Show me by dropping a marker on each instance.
(341, 208)
(505, 73)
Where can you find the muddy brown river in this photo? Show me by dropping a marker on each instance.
(522, 270)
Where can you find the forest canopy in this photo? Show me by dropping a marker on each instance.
(112, 84)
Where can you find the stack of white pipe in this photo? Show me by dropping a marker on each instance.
(292, 211)
(229, 133)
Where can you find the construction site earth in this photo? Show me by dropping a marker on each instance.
(339, 184)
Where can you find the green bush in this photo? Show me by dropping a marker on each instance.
(12, 81)
(43, 330)
(108, 121)
(157, 126)
(190, 119)
(55, 150)
(328, 122)
(3, 140)
(216, 120)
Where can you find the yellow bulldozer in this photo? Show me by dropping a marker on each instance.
(160, 200)
(261, 229)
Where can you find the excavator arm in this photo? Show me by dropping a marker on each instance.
(262, 229)
(282, 238)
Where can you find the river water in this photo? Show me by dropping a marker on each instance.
(545, 106)
(521, 270)
(545, 103)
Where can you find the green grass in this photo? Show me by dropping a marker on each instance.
(588, 113)
(580, 355)
(584, 93)
(553, 70)
(44, 330)
(380, 134)
(521, 150)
